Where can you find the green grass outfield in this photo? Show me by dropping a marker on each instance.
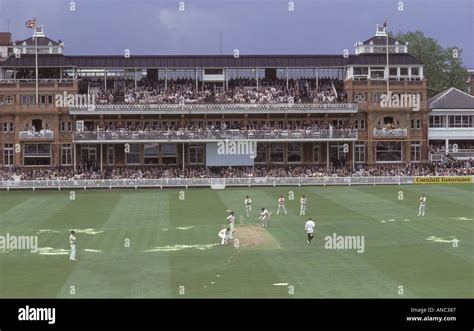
(183, 234)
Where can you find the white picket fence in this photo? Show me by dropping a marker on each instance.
(204, 182)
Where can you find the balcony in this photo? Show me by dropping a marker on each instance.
(42, 83)
(206, 108)
(43, 135)
(214, 135)
(390, 133)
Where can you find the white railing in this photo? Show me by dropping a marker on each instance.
(32, 135)
(390, 132)
(33, 81)
(218, 107)
(462, 154)
(204, 182)
(214, 135)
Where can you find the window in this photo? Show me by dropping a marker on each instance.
(294, 153)
(111, 154)
(37, 154)
(459, 121)
(9, 99)
(359, 153)
(196, 154)
(415, 151)
(261, 153)
(66, 154)
(377, 72)
(393, 72)
(415, 71)
(169, 153)
(27, 99)
(133, 155)
(66, 126)
(316, 152)
(416, 124)
(276, 152)
(8, 127)
(88, 153)
(151, 153)
(388, 151)
(437, 121)
(213, 71)
(359, 124)
(46, 99)
(359, 97)
(361, 71)
(375, 97)
(403, 71)
(8, 154)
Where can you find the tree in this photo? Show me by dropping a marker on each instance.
(443, 67)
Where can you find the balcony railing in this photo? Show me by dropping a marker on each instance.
(216, 108)
(215, 135)
(49, 82)
(40, 135)
(387, 133)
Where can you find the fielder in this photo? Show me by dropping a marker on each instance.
(231, 220)
(264, 217)
(303, 202)
(421, 210)
(72, 242)
(281, 204)
(248, 206)
(224, 235)
(309, 228)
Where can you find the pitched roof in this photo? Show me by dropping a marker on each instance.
(381, 41)
(451, 98)
(42, 41)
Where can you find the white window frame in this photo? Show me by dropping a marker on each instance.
(8, 152)
(66, 150)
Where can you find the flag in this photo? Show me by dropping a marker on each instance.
(385, 22)
(31, 24)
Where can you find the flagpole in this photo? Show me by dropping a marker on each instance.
(388, 69)
(36, 65)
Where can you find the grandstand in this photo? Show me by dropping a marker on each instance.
(302, 111)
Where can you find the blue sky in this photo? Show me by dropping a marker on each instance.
(252, 26)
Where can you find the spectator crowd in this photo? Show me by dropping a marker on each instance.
(242, 90)
(88, 171)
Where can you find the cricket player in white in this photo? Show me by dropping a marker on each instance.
(264, 217)
(72, 242)
(421, 210)
(303, 202)
(231, 220)
(248, 206)
(281, 204)
(224, 235)
(309, 228)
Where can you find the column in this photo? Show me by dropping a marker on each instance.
(256, 76)
(327, 155)
(74, 156)
(353, 155)
(135, 77)
(196, 78)
(184, 166)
